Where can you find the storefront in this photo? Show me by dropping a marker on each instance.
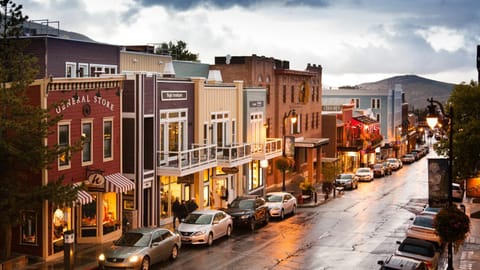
(100, 219)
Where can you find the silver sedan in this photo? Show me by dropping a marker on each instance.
(204, 226)
(140, 248)
(281, 203)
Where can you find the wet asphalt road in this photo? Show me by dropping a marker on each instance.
(353, 231)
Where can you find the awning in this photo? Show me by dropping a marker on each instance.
(83, 197)
(118, 183)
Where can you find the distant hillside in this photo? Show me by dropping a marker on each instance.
(51, 28)
(417, 89)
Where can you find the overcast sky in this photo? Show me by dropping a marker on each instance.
(355, 41)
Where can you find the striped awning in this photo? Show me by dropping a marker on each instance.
(118, 183)
(83, 197)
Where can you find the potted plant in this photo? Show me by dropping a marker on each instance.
(307, 187)
(452, 225)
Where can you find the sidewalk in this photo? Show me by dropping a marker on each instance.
(468, 255)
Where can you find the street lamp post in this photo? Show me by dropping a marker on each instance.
(287, 152)
(432, 121)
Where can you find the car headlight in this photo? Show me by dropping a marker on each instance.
(133, 259)
(244, 217)
(199, 233)
(101, 257)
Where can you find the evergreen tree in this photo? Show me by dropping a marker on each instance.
(23, 130)
(178, 51)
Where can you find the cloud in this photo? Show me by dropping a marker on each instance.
(350, 39)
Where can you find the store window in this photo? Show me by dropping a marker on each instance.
(61, 222)
(89, 218)
(29, 228)
(255, 176)
(107, 139)
(110, 214)
(63, 143)
(170, 190)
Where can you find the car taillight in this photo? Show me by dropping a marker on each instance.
(429, 265)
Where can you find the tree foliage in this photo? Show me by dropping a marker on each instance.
(466, 130)
(23, 130)
(178, 51)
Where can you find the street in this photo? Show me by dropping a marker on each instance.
(352, 231)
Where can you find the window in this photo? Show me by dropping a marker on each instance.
(63, 143)
(70, 69)
(313, 120)
(378, 117)
(87, 143)
(356, 101)
(234, 131)
(29, 228)
(96, 70)
(107, 139)
(82, 70)
(375, 103)
(268, 94)
(306, 121)
(284, 94)
(292, 94)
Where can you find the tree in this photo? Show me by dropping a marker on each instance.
(23, 130)
(177, 51)
(466, 130)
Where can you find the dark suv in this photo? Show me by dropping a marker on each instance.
(248, 211)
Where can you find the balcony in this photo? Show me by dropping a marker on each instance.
(272, 148)
(181, 163)
(234, 155)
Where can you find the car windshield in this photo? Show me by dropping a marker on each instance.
(363, 170)
(243, 204)
(274, 198)
(423, 221)
(197, 218)
(131, 239)
(377, 166)
(345, 176)
(420, 250)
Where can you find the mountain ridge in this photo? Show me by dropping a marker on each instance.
(416, 88)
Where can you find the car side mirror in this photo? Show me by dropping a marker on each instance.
(155, 244)
(398, 242)
(215, 222)
(380, 262)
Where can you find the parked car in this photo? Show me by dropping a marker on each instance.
(347, 180)
(140, 248)
(422, 228)
(388, 168)
(420, 250)
(457, 192)
(280, 204)
(394, 262)
(364, 174)
(408, 158)
(248, 210)
(394, 163)
(205, 226)
(378, 170)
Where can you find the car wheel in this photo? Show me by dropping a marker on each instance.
(174, 253)
(252, 224)
(229, 231)
(267, 218)
(145, 263)
(282, 215)
(210, 239)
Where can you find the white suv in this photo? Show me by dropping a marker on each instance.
(364, 174)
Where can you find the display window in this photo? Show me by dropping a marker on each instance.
(29, 228)
(62, 218)
(89, 218)
(110, 222)
(170, 190)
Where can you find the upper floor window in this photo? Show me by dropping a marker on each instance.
(107, 139)
(268, 94)
(260, 78)
(375, 103)
(356, 101)
(96, 70)
(70, 70)
(292, 94)
(284, 94)
(82, 70)
(63, 143)
(87, 143)
(378, 117)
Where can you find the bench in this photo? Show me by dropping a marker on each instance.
(340, 190)
(306, 198)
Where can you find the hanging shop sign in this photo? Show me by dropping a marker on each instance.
(96, 181)
(230, 170)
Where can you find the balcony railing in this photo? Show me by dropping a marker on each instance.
(234, 155)
(272, 148)
(181, 163)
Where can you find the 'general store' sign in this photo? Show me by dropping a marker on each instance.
(82, 100)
